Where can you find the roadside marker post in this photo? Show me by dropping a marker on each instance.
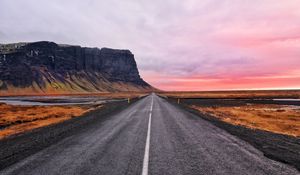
(128, 100)
(178, 100)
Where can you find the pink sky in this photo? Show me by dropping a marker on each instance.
(178, 45)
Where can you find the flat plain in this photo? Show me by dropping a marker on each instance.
(268, 120)
(40, 111)
(274, 111)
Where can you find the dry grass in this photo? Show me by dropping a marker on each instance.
(18, 119)
(235, 94)
(275, 118)
(117, 95)
(109, 95)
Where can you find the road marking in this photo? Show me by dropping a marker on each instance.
(147, 147)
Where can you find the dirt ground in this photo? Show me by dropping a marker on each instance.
(18, 119)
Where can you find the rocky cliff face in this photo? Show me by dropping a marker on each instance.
(46, 67)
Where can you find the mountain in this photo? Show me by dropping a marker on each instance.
(46, 67)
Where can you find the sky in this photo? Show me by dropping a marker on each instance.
(178, 44)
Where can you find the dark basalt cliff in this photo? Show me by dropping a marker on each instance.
(46, 66)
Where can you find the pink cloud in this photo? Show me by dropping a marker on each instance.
(191, 44)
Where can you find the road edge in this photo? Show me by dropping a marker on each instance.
(18, 147)
(261, 140)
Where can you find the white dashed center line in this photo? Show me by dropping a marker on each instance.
(147, 147)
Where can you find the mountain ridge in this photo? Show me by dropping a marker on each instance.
(46, 67)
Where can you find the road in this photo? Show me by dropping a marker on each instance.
(151, 137)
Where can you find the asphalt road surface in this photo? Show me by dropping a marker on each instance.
(151, 136)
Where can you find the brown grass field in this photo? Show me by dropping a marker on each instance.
(18, 119)
(109, 95)
(235, 94)
(280, 119)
